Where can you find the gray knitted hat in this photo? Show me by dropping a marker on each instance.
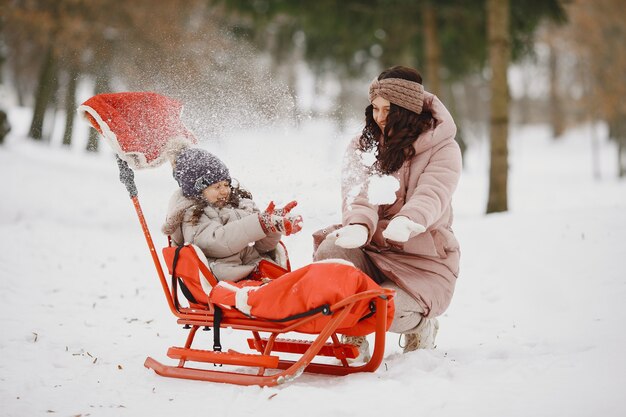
(196, 169)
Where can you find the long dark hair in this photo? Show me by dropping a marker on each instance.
(236, 194)
(402, 128)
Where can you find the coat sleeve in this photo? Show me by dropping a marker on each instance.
(440, 177)
(219, 240)
(268, 243)
(356, 207)
(435, 187)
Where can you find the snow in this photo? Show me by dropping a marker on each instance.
(533, 329)
(382, 189)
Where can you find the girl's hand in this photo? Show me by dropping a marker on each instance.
(271, 208)
(286, 225)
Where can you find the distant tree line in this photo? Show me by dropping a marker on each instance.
(174, 47)
(236, 59)
(447, 39)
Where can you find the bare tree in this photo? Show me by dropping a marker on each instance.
(499, 57)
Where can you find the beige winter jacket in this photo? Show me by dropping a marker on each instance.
(427, 265)
(231, 237)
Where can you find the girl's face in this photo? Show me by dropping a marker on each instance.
(217, 194)
(380, 111)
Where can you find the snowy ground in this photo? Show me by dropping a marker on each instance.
(533, 329)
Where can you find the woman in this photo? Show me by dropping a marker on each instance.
(405, 243)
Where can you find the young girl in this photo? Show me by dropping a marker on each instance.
(221, 219)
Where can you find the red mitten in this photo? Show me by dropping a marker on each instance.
(286, 225)
(271, 208)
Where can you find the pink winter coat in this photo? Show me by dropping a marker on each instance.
(427, 265)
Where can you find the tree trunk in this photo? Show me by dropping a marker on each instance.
(432, 48)
(102, 86)
(92, 141)
(499, 57)
(556, 110)
(45, 91)
(5, 126)
(595, 151)
(621, 157)
(617, 132)
(70, 105)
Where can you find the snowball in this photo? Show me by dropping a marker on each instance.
(352, 193)
(382, 189)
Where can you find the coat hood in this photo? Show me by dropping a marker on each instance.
(176, 212)
(443, 131)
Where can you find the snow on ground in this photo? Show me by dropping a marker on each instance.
(533, 329)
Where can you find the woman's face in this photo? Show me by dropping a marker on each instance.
(380, 111)
(217, 194)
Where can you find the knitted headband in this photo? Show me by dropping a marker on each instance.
(401, 92)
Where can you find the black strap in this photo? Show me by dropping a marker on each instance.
(174, 281)
(186, 292)
(324, 309)
(371, 313)
(217, 315)
(217, 321)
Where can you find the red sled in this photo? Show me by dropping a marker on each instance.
(334, 298)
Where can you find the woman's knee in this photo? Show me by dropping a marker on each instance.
(408, 312)
(328, 250)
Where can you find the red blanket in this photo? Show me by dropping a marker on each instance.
(304, 290)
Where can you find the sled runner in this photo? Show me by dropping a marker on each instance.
(322, 300)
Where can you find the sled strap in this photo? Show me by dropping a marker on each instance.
(324, 309)
(186, 292)
(127, 176)
(372, 307)
(217, 321)
(174, 263)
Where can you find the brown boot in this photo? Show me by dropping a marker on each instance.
(363, 345)
(423, 337)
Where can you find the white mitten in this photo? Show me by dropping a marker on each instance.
(351, 236)
(400, 229)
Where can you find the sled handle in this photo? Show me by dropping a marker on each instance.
(127, 176)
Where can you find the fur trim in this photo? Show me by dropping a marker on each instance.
(176, 212)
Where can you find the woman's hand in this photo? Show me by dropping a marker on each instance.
(401, 228)
(351, 236)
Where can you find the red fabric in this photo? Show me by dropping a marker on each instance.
(287, 294)
(141, 122)
(189, 268)
(304, 289)
(267, 269)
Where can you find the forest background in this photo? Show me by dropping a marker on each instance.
(240, 64)
(277, 89)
